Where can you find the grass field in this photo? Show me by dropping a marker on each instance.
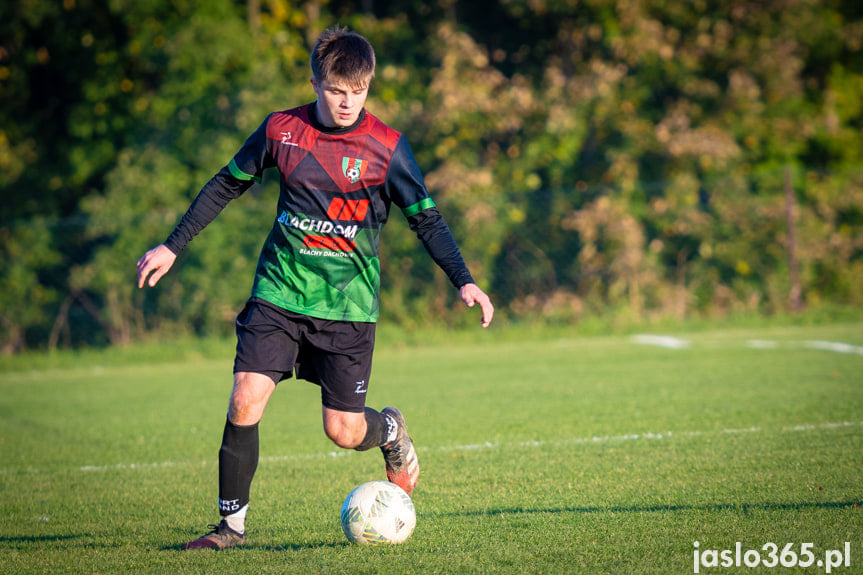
(553, 455)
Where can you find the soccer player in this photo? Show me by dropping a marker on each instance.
(314, 301)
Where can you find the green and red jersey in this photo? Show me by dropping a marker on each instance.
(321, 257)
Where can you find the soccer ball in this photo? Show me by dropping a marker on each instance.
(378, 512)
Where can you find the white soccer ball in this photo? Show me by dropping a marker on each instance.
(378, 512)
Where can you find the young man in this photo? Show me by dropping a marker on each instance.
(314, 301)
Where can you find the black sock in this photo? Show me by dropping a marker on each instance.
(238, 461)
(376, 430)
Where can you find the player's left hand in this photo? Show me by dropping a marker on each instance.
(471, 294)
(156, 262)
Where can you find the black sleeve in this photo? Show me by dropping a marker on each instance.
(212, 199)
(244, 169)
(405, 185)
(436, 236)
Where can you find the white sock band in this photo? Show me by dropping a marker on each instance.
(237, 521)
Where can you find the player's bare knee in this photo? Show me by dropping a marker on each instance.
(242, 411)
(343, 435)
(342, 438)
(249, 398)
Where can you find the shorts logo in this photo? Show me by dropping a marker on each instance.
(341, 209)
(353, 168)
(361, 387)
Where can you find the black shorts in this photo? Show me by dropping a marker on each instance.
(336, 355)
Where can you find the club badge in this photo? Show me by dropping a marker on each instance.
(353, 169)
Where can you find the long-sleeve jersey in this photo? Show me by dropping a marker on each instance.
(321, 257)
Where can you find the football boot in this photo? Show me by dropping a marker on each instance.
(220, 537)
(400, 457)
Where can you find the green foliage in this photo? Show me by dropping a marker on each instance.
(623, 158)
(25, 250)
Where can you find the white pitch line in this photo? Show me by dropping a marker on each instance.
(133, 466)
(832, 425)
(835, 346)
(670, 342)
(487, 445)
(641, 436)
(761, 344)
(665, 341)
(746, 430)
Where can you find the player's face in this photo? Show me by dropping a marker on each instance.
(339, 105)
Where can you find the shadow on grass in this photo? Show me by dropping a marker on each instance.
(296, 546)
(743, 507)
(44, 542)
(251, 546)
(24, 542)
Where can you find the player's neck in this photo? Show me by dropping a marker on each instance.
(318, 125)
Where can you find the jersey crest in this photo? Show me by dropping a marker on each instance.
(353, 168)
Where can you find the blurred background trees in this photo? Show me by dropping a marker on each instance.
(635, 159)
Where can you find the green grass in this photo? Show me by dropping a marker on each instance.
(561, 454)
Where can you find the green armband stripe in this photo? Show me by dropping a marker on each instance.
(240, 174)
(418, 207)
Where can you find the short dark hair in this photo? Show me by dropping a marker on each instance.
(340, 54)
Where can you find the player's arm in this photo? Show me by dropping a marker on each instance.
(228, 184)
(209, 203)
(437, 238)
(404, 184)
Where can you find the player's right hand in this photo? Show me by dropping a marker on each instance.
(471, 294)
(156, 262)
